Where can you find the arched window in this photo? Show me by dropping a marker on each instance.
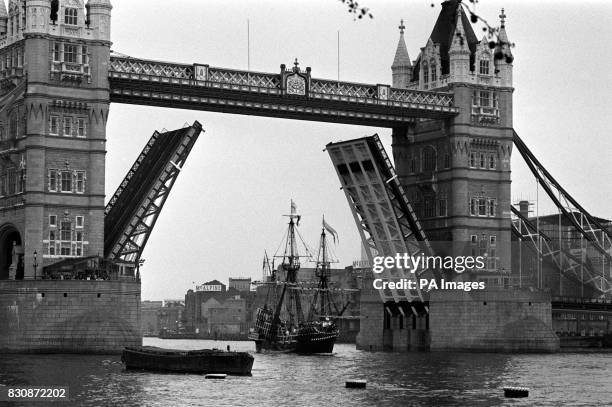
(425, 72)
(484, 64)
(473, 160)
(70, 16)
(434, 72)
(429, 159)
(492, 162)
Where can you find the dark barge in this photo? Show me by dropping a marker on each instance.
(187, 361)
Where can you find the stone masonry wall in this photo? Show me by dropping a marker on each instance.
(69, 316)
(502, 320)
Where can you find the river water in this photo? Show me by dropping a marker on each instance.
(408, 379)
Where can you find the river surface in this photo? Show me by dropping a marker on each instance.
(393, 379)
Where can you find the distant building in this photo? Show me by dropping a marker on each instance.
(149, 318)
(213, 310)
(240, 283)
(211, 286)
(170, 316)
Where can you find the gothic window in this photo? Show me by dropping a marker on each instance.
(429, 158)
(79, 244)
(34, 17)
(473, 160)
(429, 207)
(473, 206)
(485, 98)
(491, 207)
(492, 259)
(447, 160)
(65, 231)
(21, 181)
(70, 53)
(80, 182)
(482, 207)
(70, 16)
(81, 127)
(482, 160)
(492, 161)
(425, 73)
(54, 125)
(12, 180)
(3, 185)
(52, 180)
(67, 126)
(442, 207)
(412, 165)
(84, 56)
(66, 181)
(484, 67)
(434, 73)
(57, 52)
(52, 242)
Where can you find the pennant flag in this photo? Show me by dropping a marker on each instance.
(293, 208)
(331, 230)
(294, 213)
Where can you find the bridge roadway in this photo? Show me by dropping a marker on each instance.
(291, 93)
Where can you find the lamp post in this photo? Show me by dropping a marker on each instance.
(35, 264)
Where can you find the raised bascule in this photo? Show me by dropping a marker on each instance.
(450, 112)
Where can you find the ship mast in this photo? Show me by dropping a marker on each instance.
(323, 272)
(291, 265)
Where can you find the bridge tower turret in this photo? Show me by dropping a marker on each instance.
(401, 67)
(457, 171)
(54, 99)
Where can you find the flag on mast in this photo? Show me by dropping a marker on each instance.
(294, 212)
(331, 230)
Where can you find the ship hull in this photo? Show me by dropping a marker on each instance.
(312, 338)
(317, 343)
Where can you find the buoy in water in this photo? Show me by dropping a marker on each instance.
(516, 392)
(215, 376)
(356, 384)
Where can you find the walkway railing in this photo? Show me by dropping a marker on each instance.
(122, 67)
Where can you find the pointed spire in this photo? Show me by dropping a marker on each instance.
(459, 41)
(503, 37)
(401, 54)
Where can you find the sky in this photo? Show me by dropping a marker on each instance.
(228, 202)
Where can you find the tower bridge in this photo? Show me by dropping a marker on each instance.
(450, 112)
(291, 94)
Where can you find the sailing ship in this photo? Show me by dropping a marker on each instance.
(317, 331)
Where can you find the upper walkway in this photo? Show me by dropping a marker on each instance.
(291, 93)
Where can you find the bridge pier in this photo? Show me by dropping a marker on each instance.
(492, 321)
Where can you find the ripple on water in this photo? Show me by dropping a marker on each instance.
(419, 379)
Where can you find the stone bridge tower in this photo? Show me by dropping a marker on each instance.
(54, 100)
(457, 172)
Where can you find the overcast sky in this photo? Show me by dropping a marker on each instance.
(226, 206)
